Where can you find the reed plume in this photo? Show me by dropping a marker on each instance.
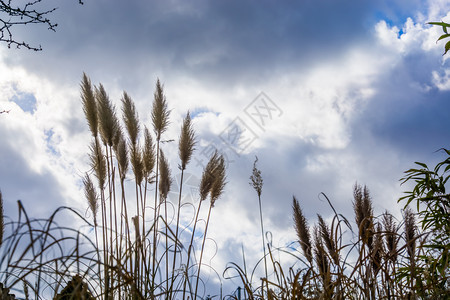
(302, 229)
(256, 180)
(160, 112)
(121, 151)
(208, 176)
(89, 104)
(410, 232)
(362, 206)
(148, 155)
(165, 177)
(91, 195)
(219, 180)
(390, 236)
(98, 163)
(322, 263)
(186, 145)
(327, 237)
(130, 118)
(137, 165)
(108, 122)
(378, 249)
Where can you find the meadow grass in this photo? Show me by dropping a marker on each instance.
(136, 246)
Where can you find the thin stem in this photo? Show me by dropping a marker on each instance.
(264, 243)
(190, 248)
(201, 252)
(176, 231)
(155, 220)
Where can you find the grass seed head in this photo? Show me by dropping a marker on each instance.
(98, 162)
(208, 176)
(363, 208)
(160, 112)
(165, 178)
(327, 238)
(410, 232)
(187, 142)
(137, 164)
(302, 229)
(390, 236)
(148, 154)
(109, 124)
(130, 118)
(219, 180)
(91, 196)
(256, 179)
(89, 104)
(121, 151)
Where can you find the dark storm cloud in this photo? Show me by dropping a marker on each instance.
(220, 42)
(409, 112)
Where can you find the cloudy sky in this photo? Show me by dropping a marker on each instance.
(326, 93)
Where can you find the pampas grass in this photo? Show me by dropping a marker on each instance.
(141, 255)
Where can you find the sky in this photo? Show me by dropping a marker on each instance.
(326, 94)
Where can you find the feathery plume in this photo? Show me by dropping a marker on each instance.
(91, 196)
(321, 256)
(108, 121)
(148, 153)
(121, 151)
(302, 229)
(89, 104)
(160, 113)
(165, 180)
(410, 231)
(256, 179)
(377, 251)
(98, 163)
(137, 164)
(363, 208)
(390, 237)
(327, 237)
(208, 176)
(219, 180)
(130, 118)
(187, 142)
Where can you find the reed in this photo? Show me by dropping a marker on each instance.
(377, 261)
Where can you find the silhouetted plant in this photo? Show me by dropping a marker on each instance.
(143, 264)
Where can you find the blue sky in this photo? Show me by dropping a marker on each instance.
(360, 88)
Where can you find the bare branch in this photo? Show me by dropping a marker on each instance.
(27, 13)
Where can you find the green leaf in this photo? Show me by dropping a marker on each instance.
(443, 36)
(421, 164)
(447, 47)
(443, 24)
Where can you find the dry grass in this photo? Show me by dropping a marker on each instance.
(140, 252)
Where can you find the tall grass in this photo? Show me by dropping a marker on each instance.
(376, 260)
(143, 255)
(138, 247)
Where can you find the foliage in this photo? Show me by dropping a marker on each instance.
(433, 205)
(446, 35)
(373, 262)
